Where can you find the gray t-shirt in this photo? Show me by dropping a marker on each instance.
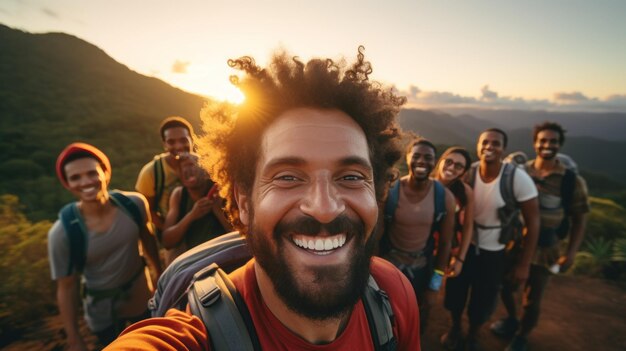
(112, 260)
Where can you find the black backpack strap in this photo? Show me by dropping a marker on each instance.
(438, 215)
(129, 207)
(506, 186)
(440, 206)
(380, 317)
(77, 237)
(159, 180)
(568, 185)
(392, 201)
(472, 174)
(393, 196)
(214, 298)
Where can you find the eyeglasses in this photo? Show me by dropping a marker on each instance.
(457, 165)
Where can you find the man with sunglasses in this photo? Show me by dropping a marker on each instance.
(563, 200)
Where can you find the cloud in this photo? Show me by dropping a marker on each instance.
(491, 99)
(46, 11)
(567, 97)
(180, 66)
(488, 94)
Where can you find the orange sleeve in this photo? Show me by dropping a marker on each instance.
(176, 331)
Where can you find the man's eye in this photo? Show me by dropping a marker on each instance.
(352, 177)
(286, 178)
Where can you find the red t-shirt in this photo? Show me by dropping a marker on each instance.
(179, 330)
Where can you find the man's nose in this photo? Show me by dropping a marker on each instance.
(323, 201)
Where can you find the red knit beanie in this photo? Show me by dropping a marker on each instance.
(81, 147)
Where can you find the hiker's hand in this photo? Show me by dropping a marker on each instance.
(520, 273)
(566, 262)
(430, 299)
(455, 268)
(201, 208)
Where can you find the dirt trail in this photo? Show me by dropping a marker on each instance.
(579, 313)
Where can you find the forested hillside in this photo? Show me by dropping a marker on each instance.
(56, 89)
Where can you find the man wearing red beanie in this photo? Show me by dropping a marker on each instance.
(96, 239)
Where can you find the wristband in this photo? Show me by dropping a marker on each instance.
(459, 259)
(436, 280)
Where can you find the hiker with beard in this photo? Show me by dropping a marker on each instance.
(195, 212)
(563, 206)
(409, 241)
(301, 164)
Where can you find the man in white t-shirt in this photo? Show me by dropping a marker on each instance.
(483, 269)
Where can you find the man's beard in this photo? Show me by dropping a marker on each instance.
(335, 290)
(550, 156)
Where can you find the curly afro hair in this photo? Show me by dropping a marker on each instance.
(229, 148)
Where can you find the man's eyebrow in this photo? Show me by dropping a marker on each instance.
(285, 161)
(356, 160)
(297, 161)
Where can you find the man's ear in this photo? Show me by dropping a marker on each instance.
(243, 203)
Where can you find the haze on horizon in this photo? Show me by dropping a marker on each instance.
(562, 55)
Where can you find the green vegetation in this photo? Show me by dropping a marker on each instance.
(603, 252)
(26, 292)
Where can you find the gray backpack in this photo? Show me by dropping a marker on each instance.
(199, 278)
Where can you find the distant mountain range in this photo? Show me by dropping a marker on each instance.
(56, 88)
(608, 126)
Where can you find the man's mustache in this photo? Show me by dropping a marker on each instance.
(310, 226)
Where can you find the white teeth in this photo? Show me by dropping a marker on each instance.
(420, 169)
(320, 243)
(328, 244)
(90, 189)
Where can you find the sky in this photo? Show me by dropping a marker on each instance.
(561, 55)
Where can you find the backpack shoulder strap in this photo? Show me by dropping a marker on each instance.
(214, 298)
(77, 237)
(129, 207)
(159, 179)
(472, 174)
(506, 185)
(568, 185)
(440, 205)
(392, 201)
(380, 316)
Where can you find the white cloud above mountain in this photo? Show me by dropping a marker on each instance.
(574, 101)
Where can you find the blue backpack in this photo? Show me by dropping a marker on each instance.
(390, 209)
(76, 231)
